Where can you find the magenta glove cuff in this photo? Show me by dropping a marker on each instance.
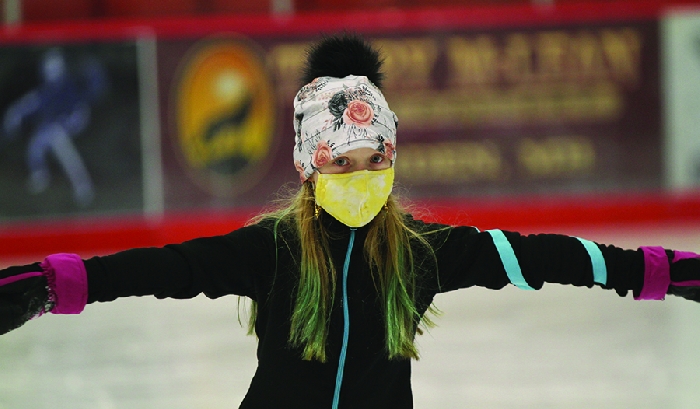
(657, 274)
(67, 281)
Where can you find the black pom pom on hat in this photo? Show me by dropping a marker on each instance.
(342, 55)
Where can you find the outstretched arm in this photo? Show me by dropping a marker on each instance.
(235, 263)
(496, 258)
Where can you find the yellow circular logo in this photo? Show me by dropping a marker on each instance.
(224, 115)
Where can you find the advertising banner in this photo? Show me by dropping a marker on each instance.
(70, 134)
(504, 111)
(222, 119)
(571, 109)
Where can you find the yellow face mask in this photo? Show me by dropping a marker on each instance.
(354, 198)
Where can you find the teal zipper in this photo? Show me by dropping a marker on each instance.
(346, 323)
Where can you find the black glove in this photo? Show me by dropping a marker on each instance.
(24, 295)
(685, 276)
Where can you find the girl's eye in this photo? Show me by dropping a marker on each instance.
(377, 159)
(341, 161)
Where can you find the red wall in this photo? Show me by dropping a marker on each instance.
(66, 10)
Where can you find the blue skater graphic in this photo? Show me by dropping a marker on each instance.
(57, 111)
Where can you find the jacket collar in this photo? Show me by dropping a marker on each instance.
(337, 229)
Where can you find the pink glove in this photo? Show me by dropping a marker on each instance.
(58, 285)
(670, 272)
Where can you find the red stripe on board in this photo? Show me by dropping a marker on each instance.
(585, 210)
(100, 236)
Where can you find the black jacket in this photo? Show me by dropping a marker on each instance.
(251, 262)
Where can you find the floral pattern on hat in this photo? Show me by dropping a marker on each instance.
(335, 115)
(300, 168)
(358, 113)
(322, 154)
(388, 149)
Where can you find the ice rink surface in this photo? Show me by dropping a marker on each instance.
(560, 347)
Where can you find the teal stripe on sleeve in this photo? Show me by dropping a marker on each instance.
(510, 262)
(600, 272)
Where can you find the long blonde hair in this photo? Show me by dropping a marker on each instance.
(388, 250)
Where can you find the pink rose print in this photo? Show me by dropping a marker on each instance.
(359, 113)
(322, 154)
(389, 150)
(300, 169)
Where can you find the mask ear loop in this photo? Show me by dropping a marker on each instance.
(317, 208)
